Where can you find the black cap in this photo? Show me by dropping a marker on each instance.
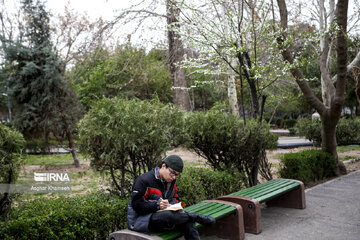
(175, 162)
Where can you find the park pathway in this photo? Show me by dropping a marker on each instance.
(332, 212)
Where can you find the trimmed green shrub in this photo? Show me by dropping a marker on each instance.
(93, 216)
(307, 165)
(209, 184)
(288, 123)
(129, 137)
(96, 215)
(227, 143)
(347, 131)
(11, 158)
(310, 129)
(292, 131)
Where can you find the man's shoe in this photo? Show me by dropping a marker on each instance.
(202, 219)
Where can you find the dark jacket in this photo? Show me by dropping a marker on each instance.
(144, 200)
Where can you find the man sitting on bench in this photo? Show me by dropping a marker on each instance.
(156, 190)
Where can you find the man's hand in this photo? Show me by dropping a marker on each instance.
(164, 204)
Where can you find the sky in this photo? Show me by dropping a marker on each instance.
(107, 9)
(94, 8)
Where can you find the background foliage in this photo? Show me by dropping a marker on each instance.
(347, 130)
(127, 72)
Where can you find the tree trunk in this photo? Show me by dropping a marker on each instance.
(245, 63)
(5, 205)
(46, 146)
(232, 94)
(328, 143)
(181, 95)
(72, 147)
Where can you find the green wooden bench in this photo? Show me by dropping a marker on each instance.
(229, 223)
(279, 192)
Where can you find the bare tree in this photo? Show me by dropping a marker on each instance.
(74, 36)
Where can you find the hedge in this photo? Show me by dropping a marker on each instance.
(96, 215)
(209, 184)
(347, 131)
(93, 216)
(307, 165)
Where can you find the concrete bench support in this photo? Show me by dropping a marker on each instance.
(132, 235)
(230, 227)
(251, 212)
(294, 198)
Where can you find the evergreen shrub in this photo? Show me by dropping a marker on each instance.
(347, 131)
(292, 131)
(11, 158)
(307, 165)
(198, 184)
(129, 137)
(228, 144)
(310, 129)
(288, 123)
(93, 216)
(96, 215)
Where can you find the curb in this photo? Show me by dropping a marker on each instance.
(351, 160)
(332, 180)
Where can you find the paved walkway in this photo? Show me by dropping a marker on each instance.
(332, 212)
(291, 142)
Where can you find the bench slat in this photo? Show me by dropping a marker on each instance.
(275, 188)
(268, 190)
(213, 209)
(197, 206)
(276, 193)
(258, 187)
(220, 214)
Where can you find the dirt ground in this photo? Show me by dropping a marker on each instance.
(192, 158)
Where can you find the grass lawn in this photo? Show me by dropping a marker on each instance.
(82, 180)
(342, 149)
(51, 159)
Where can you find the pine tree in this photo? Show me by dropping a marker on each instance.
(38, 91)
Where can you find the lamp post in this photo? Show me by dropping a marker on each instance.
(9, 105)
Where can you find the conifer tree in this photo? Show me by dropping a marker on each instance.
(42, 102)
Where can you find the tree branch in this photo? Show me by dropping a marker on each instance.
(349, 67)
(341, 50)
(300, 79)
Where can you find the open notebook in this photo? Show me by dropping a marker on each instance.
(175, 207)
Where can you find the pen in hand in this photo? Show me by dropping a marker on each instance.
(163, 203)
